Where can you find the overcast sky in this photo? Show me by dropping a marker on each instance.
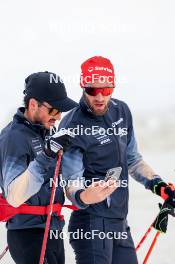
(137, 35)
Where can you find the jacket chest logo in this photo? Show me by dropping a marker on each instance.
(37, 146)
(102, 137)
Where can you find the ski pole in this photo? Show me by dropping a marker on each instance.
(160, 224)
(52, 198)
(151, 248)
(144, 237)
(4, 252)
(152, 244)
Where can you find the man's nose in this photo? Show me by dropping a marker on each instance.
(58, 116)
(99, 97)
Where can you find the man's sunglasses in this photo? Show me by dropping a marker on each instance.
(52, 111)
(94, 91)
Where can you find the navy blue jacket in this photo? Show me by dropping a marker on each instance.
(21, 148)
(92, 156)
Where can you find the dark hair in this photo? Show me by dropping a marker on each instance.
(26, 101)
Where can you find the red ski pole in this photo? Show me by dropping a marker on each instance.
(52, 198)
(151, 247)
(4, 252)
(144, 237)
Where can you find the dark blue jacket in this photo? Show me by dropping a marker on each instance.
(21, 148)
(92, 156)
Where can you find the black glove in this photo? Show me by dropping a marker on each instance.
(60, 140)
(161, 221)
(170, 192)
(166, 191)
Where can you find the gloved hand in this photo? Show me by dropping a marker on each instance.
(161, 220)
(59, 141)
(166, 191)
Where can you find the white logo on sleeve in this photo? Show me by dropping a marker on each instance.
(117, 122)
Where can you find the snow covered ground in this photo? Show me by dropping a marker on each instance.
(143, 209)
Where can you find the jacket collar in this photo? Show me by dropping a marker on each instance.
(20, 118)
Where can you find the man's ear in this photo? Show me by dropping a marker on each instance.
(33, 104)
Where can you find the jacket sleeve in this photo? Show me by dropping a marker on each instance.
(72, 164)
(72, 173)
(138, 168)
(22, 178)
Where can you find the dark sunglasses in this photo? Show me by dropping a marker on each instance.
(105, 91)
(52, 111)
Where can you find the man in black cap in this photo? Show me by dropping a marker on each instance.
(27, 162)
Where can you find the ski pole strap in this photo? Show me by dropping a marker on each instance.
(39, 210)
(71, 207)
(7, 211)
(44, 210)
